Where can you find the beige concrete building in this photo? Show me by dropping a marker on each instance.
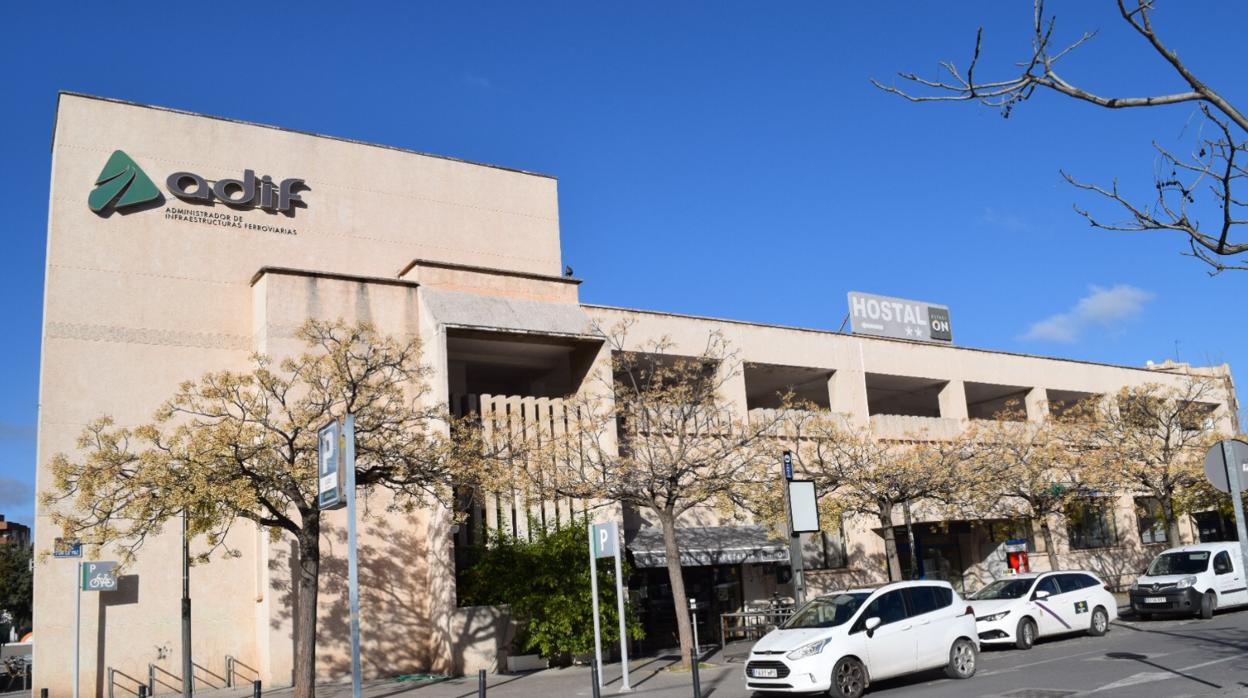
(155, 281)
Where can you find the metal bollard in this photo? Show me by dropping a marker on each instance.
(43, 693)
(255, 689)
(593, 675)
(481, 683)
(697, 680)
(142, 691)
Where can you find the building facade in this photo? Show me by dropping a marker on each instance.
(180, 243)
(14, 532)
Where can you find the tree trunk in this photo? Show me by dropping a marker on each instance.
(914, 548)
(305, 607)
(890, 543)
(676, 578)
(1172, 520)
(1047, 534)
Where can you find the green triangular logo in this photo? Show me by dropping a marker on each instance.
(121, 183)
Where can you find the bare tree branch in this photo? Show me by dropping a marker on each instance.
(1216, 160)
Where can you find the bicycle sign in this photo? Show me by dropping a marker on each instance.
(98, 576)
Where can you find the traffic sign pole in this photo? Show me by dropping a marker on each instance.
(1236, 487)
(77, 627)
(593, 589)
(619, 603)
(353, 581)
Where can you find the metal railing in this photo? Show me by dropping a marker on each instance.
(154, 674)
(750, 625)
(139, 687)
(206, 676)
(231, 671)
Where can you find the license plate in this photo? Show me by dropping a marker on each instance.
(1155, 599)
(764, 673)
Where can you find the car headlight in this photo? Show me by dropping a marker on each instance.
(809, 650)
(1135, 586)
(994, 616)
(1185, 583)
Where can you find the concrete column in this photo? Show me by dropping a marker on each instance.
(732, 390)
(847, 394)
(1037, 404)
(953, 400)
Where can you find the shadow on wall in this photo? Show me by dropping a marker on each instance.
(399, 626)
(864, 570)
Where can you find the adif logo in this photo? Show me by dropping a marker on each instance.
(122, 184)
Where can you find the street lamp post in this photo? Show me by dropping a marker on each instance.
(188, 667)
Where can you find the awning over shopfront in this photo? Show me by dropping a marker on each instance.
(709, 545)
(468, 310)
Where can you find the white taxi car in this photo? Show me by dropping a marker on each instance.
(841, 642)
(1022, 608)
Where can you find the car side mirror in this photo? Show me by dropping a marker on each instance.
(872, 623)
(1041, 594)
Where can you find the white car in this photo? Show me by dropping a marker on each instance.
(1022, 608)
(842, 642)
(1194, 579)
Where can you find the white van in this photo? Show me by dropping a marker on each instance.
(1191, 579)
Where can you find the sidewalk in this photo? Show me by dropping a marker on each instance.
(649, 676)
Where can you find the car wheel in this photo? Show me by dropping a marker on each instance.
(1100, 622)
(1025, 635)
(963, 657)
(1208, 602)
(849, 678)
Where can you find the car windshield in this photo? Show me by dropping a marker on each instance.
(1179, 563)
(826, 611)
(1004, 589)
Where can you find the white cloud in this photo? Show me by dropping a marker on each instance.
(1102, 308)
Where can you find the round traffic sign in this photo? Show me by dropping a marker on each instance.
(1215, 468)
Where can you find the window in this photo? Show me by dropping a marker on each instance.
(1190, 562)
(1090, 523)
(824, 550)
(827, 612)
(1049, 584)
(889, 608)
(1222, 563)
(925, 599)
(1068, 583)
(1148, 514)
(1075, 582)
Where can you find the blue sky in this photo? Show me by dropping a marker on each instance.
(726, 159)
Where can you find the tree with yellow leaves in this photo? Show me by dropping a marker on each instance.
(877, 477)
(242, 446)
(660, 437)
(1033, 468)
(1153, 439)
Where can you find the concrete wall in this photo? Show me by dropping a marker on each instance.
(136, 303)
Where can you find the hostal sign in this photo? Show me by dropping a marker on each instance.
(896, 317)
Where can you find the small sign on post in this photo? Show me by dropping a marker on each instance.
(1226, 466)
(788, 465)
(92, 576)
(803, 508)
(98, 576)
(332, 484)
(67, 547)
(604, 541)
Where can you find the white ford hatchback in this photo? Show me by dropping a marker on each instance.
(1020, 609)
(841, 642)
